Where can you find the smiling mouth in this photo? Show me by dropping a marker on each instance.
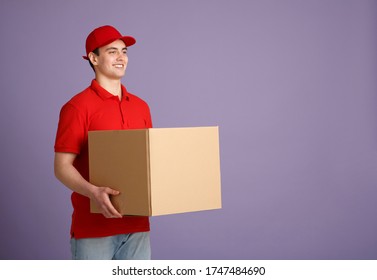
(119, 66)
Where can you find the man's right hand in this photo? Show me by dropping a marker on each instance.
(101, 197)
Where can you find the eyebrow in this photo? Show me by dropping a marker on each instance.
(114, 48)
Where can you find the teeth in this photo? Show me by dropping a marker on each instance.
(118, 66)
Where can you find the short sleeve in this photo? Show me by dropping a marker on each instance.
(71, 133)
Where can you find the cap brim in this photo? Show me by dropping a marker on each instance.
(128, 40)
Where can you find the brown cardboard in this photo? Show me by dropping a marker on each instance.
(158, 171)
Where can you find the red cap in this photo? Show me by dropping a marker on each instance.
(104, 35)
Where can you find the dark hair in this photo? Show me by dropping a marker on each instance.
(96, 52)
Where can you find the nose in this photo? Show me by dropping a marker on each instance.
(121, 56)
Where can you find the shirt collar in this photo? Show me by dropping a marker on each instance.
(104, 94)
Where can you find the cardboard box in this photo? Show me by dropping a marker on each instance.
(158, 171)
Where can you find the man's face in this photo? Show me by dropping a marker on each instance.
(111, 61)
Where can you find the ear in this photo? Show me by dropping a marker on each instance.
(93, 58)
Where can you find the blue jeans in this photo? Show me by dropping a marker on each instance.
(133, 246)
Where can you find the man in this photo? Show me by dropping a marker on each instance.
(105, 104)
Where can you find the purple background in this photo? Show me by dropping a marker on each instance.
(292, 85)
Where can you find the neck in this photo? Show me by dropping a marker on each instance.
(112, 86)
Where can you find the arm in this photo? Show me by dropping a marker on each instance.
(71, 178)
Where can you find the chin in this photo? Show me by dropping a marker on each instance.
(118, 76)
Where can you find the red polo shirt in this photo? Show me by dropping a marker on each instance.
(97, 109)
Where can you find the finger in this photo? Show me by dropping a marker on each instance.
(115, 213)
(110, 209)
(110, 213)
(105, 212)
(112, 191)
